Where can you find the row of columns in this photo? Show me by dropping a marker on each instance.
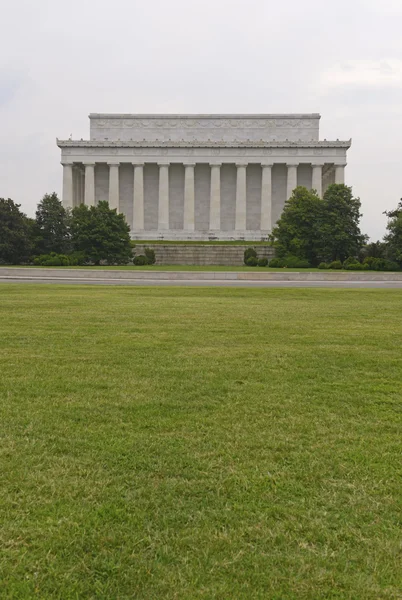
(85, 192)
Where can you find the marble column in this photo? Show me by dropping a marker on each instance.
(266, 198)
(77, 186)
(325, 181)
(163, 207)
(89, 196)
(329, 177)
(114, 185)
(292, 179)
(67, 185)
(189, 198)
(241, 192)
(138, 197)
(317, 179)
(215, 199)
(82, 185)
(340, 173)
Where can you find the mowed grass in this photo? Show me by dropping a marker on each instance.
(183, 443)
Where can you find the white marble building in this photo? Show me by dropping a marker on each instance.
(199, 177)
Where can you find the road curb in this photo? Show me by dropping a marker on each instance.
(33, 273)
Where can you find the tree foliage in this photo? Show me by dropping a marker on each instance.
(15, 233)
(100, 234)
(340, 234)
(393, 238)
(374, 249)
(318, 229)
(52, 226)
(297, 231)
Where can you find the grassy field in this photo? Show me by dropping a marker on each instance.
(178, 443)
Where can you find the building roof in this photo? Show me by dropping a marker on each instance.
(204, 116)
(200, 144)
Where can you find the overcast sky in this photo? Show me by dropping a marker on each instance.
(61, 60)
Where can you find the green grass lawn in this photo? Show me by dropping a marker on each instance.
(181, 443)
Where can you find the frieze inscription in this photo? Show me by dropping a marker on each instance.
(99, 154)
(205, 123)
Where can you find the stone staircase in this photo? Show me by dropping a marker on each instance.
(202, 254)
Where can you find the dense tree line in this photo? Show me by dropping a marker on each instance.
(310, 229)
(84, 235)
(327, 230)
(16, 233)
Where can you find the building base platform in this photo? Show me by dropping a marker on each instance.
(181, 235)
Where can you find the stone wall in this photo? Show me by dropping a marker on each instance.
(204, 127)
(202, 254)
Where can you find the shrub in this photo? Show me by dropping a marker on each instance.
(150, 254)
(55, 261)
(391, 265)
(77, 258)
(292, 262)
(262, 262)
(52, 260)
(249, 253)
(351, 260)
(140, 260)
(335, 264)
(276, 263)
(301, 264)
(380, 264)
(373, 263)
(323, 265)
(64, 260)
(356, 266)
(39, 260)
(252, 261)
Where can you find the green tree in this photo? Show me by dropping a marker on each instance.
(339, 232)
(297, 231)
(375, 249)
(100, 234)
(393, 239)
(52, 226)
(15, 233)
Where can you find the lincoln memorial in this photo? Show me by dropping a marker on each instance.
(199, 177)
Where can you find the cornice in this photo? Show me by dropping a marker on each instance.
(187, 144)
(205, 116)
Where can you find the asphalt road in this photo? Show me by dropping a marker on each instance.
(211, 283)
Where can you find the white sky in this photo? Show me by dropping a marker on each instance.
(61, 60)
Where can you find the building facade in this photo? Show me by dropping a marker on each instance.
(199, 177)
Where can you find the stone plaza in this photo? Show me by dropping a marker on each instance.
(199, 177)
